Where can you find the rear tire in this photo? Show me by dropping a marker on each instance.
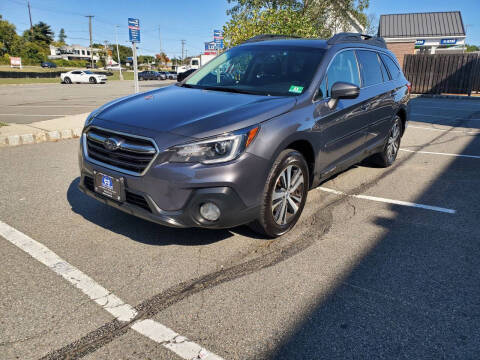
(284, 195)
(92, 80)
(387, 156)
(67, 80)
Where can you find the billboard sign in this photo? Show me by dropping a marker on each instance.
(210, 48)
(218, 39)
(134, 30)
(15, 61)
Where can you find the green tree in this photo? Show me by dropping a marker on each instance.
(145, 59)
(304, 18)
(40, 32)
(62, 36)
(472, 48)
(10, 42)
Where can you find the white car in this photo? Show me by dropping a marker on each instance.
(82, 76)
(114, 67)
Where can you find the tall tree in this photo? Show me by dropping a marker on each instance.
(305, 18)
(62, 36)
(41, 32)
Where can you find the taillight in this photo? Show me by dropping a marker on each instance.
(409, 87)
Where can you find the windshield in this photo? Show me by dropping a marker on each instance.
(264, 70)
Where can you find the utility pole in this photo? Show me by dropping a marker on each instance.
(118, 53)
(90, 30)
(30, 16)
(183, 46)
(135, 67)
(160, 42)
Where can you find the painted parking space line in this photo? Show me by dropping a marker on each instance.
(110, 302)
(390, 201)
(441, 153)
(467, 132)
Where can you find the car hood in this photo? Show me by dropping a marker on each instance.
(191, 112)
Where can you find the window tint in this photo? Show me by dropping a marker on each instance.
(343, 68)
(76, 72)
(385, 75)
(371, 73)
(392, 66)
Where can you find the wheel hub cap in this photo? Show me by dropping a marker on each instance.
(287, 194)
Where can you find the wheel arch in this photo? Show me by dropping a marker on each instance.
(402, 113)
(305, 148)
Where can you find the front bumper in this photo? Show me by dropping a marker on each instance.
(171, 194)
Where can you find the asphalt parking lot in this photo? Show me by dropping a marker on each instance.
(24, 104)
(383, 264)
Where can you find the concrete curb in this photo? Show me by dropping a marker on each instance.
(39, 137)
(63, 128)
(452, 97)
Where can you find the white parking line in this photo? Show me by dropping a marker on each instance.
(114, 305)
(390, 201)
(440, 153)
(469, 132)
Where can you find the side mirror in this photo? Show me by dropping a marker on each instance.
(342, 90)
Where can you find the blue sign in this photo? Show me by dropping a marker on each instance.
(448, 41)
(420, 42)
(218, 39)
(134, 30)
(107, 182)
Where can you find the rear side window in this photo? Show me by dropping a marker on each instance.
(370, 67)
(385, 75)
(392, 66)
(343, 68)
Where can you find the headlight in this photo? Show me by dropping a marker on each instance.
(214, 150)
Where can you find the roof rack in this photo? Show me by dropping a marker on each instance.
(266, 37)
(341, 38)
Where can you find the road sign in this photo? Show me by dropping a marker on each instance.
(218, 39)
(210, 48)
(134, 30)
(15, 61)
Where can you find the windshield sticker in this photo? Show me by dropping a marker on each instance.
(296, 89)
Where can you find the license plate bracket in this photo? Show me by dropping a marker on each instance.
(109, 186)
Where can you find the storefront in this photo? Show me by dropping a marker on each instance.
(428, 33)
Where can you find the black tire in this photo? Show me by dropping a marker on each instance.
(92, 80)
(67, 80)
(389, 153)
(278, 216)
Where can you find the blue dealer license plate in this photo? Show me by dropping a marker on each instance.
(109, 186)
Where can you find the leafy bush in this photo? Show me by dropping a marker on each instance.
(70, 63)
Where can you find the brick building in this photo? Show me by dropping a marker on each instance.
(430, 33)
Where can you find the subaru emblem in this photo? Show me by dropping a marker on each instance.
(111, 144)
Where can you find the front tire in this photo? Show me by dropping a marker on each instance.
(284, 195)
(387, 156)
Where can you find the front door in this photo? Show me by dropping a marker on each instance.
(341, 130)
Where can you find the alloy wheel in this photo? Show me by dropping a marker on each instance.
(287, 194)
(393, 142)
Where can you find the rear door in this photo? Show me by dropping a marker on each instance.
(377, 88)
(340, 130)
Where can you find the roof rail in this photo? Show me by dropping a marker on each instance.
(341, 38)
(266, 37)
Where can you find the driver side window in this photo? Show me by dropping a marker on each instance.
(343, 68)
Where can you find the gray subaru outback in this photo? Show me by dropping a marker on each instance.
(243, 139)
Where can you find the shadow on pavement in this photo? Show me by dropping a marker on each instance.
(416, 294)
(141, 230)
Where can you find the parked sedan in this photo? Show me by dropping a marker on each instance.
(148, 75)
(171, 75)
(82, 76)
(48, 64)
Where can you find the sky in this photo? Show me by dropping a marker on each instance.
(190, 20)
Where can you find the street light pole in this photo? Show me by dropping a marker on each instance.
(135, 69)
(118, 53)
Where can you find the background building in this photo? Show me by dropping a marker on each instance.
(430, 33)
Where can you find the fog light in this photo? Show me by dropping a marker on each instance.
(210, 211)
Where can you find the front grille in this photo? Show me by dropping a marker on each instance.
(129, 153)
(131, 198)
